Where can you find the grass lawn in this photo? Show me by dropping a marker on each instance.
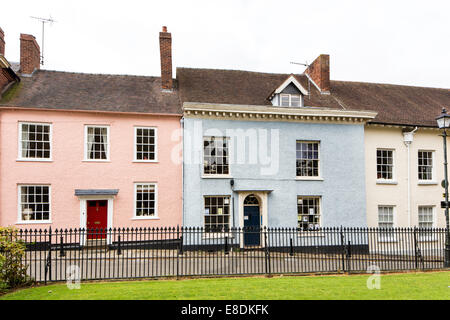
(430, 285)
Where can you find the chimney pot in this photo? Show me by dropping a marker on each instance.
(165, 46)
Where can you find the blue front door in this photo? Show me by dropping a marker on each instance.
(251, 226)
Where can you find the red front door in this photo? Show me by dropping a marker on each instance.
(97, 219)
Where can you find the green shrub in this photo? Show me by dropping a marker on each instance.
(12, 251)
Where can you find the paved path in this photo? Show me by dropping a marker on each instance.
(104, 264)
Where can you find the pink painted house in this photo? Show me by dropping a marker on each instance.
(88, 150)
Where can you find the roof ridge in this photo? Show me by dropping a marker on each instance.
(97, 74)
(238, 70)
(389, 84)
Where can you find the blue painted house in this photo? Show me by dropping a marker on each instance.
(270, 150)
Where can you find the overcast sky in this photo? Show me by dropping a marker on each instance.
(400, 42)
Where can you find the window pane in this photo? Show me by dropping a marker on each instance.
(307, 163)
(385, 164)
(145, 204)
(425, 165)
(145, 144)
(34, 142)
(285, 100)
(97, 143)
(215, 155)
(35, 203)
(308, 210)
(295, 100)
(217, 213)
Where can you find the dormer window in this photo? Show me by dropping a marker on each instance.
(289, 94)
(290, 100)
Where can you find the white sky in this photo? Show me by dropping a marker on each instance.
(400, 42)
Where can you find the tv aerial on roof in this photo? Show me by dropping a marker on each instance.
(43, 21)
(309, 80)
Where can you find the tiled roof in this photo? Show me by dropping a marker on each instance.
(395, 104)
(404, 105)
(99, 92)
(241, 87)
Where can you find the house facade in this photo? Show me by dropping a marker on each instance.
(87, 150)
(259, 149)
(270, 150)
(403, 151)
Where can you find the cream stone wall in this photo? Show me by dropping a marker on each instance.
(396, 193)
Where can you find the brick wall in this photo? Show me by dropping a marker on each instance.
(319, 71)
(29, 54)
(165, 45)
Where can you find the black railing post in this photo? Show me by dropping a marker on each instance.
(119, 248)
(267, 253)
(291, 248)
(226, 250)
(415, 249)
(180, 245)
(61, 248)
(178, 251)
(48, 265)
(343, 255)
(348, 256)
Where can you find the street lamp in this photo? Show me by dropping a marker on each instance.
(443, 122)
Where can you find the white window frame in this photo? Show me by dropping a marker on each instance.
(432, 236)
(433, 173)
(216, 175)
(19, 204)
(19, 142)
(383, 180)
(108, 147)
(319, 171)
(385, 237)
(314, 231)
(154, 217)
(290, 99)
(135, 159)
(216, 234)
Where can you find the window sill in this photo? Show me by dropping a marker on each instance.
(34, 160)
(34, 222)
(308, 178)
(145, 161)
(393, 182)
(217, 176)
(425, 182)
(104, 161)
(145, 218)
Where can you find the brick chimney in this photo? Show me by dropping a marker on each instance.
(319, 72)
(30, 54)
(165, 46)
(2, 42)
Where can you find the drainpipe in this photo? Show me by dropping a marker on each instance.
(408, 138)
(182, 171)
(232, 201)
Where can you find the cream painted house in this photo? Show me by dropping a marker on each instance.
(403, 151)
(404, 170)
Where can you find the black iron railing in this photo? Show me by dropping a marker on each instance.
(125, 253)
